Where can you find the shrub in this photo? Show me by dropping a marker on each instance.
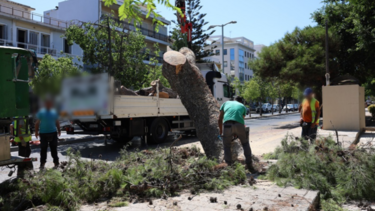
(371, 109)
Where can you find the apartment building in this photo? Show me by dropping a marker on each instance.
(237, 53)
(21, 27)
(94, 10)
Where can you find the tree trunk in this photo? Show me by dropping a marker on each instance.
(185, 78)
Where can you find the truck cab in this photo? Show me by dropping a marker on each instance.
(217, 82)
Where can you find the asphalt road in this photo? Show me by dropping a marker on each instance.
(265, 134)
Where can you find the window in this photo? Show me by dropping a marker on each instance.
(225, 52)
(232, 59)
(225, 64)
(245, 65)
(21, 38)
(217, 52)
(228, 91)
(67, 47)
(241, 64)
(3, 32)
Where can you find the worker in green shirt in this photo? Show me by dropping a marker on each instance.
(232, 114)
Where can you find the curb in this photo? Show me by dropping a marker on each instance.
(62, 142)
(271, 116)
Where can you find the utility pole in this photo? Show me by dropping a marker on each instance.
(110, 48)
(222, 47)
(222, 40)
(327, 56)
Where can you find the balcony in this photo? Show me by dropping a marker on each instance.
(33, 17)
(38, 49)
(144, 31)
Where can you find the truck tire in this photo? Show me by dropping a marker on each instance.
(158, 131)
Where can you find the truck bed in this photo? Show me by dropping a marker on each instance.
(142, 106)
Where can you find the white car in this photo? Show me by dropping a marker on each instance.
(289, 107)
(276, 107)
(267, 107)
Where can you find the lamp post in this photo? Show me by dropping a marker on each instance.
(222, 39)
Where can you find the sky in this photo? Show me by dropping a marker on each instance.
(262, 21)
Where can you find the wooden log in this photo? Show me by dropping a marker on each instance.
(185, 78)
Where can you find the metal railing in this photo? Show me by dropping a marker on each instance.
(33, 16)
(38, 49)
(144, 31)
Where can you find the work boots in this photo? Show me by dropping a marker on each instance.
(42, 165)
(251, 168)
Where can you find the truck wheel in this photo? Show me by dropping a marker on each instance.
(158, 131)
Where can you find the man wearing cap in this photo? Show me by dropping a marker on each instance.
(310, 113)
(232, 114)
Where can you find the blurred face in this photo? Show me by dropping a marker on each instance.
(310, 96)
(48, 104)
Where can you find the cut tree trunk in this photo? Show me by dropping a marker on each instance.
(185, 78)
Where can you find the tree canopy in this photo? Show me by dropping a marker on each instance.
(51, 72)
(129, 9)
(122, 56)
(298, 58)
(353, 21)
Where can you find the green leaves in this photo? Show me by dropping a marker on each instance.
(129, 10)
(51, 72)
(109, 47)
(338, 174)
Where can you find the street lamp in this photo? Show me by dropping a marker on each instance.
(222, 39)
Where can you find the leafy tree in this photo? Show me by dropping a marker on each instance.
(199, 34)
(129, 10)
(298, 58)
(352, 22)
(272, 92)
(51, 72)
(237, 85)
(179, 39)
(122, 56)
(256, 89)
(251, 91)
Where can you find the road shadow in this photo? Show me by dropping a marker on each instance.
(98, 150)
(288, 126)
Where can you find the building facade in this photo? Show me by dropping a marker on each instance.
(21, 27)
(237, 53)
(94, 10)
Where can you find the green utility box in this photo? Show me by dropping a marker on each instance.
(16, 66)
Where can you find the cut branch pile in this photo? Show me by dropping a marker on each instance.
(339, 174)
(137, 176)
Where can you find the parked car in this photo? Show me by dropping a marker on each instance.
(266, 107)
(297, 106)
(276, 107)
(253, 108)
(289, 107)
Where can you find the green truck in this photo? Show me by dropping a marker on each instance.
(18, 65)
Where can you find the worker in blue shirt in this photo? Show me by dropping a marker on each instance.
(48, 127)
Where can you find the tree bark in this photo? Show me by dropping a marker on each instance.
(185, 78)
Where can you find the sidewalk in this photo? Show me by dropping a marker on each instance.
(264, 195)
